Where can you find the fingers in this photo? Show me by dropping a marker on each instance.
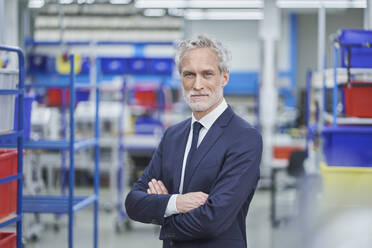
(151, 189)
(156, 187)
(162, 187)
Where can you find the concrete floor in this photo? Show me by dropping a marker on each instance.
(349, 228)
(141, 235)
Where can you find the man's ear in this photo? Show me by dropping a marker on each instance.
(225, 78)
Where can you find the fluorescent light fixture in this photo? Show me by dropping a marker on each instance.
(154, 12)
(199, 4)
(223, 15)
(293, 4)
(120, 1)
(34, 4)
(176, 12)
(65, 1)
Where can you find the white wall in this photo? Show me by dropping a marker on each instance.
(308, 37)
(9, 22)
(242, 38)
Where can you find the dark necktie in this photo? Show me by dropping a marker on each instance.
(194, 146)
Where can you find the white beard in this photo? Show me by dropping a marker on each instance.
(198, 106)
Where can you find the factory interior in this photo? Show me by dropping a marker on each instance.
(74, 141)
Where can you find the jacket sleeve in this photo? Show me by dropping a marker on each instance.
(143, 207)
(234, 186)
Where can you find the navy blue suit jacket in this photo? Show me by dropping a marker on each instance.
(225, 166)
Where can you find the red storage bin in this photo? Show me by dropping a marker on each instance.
(283, 152)
(54, 96)
(358, 100)
(8, 240)
(146, 98)
(8, 191)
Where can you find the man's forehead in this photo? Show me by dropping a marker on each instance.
(204, 58)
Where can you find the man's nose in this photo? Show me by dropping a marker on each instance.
(198, 84)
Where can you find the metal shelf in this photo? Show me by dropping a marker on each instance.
(341, 76)
(18, 143)
(55, 204)
(11, 92)
(62, 85)
(348, 120)
(68, 204)
(140, 142)
(10, 135)
(56, 144)
(12, 218)
(10, 178)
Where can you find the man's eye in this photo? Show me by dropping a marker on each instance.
(208, 73)
(188, 74)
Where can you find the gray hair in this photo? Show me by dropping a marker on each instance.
(203, 41)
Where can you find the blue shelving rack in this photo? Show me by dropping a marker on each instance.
(68, 204)
(18, 136)
(352, 56)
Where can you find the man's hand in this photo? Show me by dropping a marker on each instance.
(184, 203)
(156, 187)
(190, 201)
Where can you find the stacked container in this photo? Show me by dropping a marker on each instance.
(347, 171)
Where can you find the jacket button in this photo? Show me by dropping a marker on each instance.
(171, 243)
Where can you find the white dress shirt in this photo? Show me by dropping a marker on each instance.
(207, 122)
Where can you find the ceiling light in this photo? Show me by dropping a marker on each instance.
(65, 1)
(199, 4)
(293, 4)
(120, 1)
(223, 15)
(176, 12)
(36, 4)
(154, 12)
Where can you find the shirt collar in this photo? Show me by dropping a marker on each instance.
(208, 120)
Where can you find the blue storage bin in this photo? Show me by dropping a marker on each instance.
(138, 66)
(355, 36)
(39, 63)
(161, 66)
(116, 66)
(82, 95)
(359, 41)
(85, 66)
(348, 146)
(361, 57)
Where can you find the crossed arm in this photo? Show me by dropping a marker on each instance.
(184, 202)
(201, 215)
(148, 199)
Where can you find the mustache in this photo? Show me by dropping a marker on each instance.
(190, 93)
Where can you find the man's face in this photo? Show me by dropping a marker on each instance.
(201, 79)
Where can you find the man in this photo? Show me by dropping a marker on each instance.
(202, 177)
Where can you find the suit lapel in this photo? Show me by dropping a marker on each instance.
(209, 140)
(180, 144)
